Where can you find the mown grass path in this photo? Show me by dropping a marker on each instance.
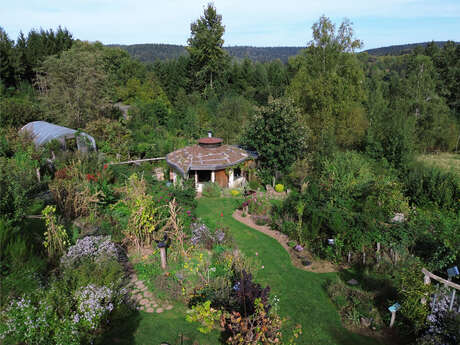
(303, 299)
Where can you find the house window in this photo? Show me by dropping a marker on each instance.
(204, 176)
(236, 173)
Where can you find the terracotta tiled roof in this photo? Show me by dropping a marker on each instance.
(211, 140)
(201, 157)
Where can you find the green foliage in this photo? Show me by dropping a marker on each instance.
(277, 134)
(279, 188)
(438, 240)
(391, 135)
(206, 315)
(428, 184)
(211, 190)
(18, 178)
(207, 57)
(111, 136)
(349, 201)
(74, 86)
(412, 290)
(354, 304)
(145, 217)
(56, 238)
(232, 114)
(20, 107)
(328, 85)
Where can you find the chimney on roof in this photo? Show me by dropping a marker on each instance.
(209, 134)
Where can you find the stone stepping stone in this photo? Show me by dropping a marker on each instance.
(144, 302)
(352, 282)
(149, 310)
(148, 294)
(155, 305)
(159, 310)
(169, 307)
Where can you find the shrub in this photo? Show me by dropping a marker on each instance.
(201, 235)
(254, 184)
(211, 190)
(353, 304)
(261, 327)
(56, 238)
(37, 323)
(145, 217)
(93, 248)
(258, 206)
(431, 185)
(412, 290)
(206, 315)
(74, 195)
(279, 188)
(235, 192)
(443, 325)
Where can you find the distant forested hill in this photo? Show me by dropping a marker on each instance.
(152, 52)
(401, 48)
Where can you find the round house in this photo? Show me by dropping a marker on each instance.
(210, 161)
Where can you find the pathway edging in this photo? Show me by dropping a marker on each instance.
(316, 266)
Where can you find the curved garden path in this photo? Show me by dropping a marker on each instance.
(317, 266)
(302, 294)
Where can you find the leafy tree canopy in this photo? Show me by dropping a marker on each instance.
(205, 46)
(277, 134)
(328, 84)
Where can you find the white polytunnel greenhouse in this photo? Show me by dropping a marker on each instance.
(43, 132)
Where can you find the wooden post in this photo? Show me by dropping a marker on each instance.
(163, 257)
(196, 178)
(452, 300)
(393, 318)
(38, 174)
(378, 252)
(349, 257)
(213, 176)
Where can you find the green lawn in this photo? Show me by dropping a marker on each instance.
(303, 299)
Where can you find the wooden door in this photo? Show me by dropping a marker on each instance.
(222, 178)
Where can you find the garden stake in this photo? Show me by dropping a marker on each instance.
(393, 309)
(452, 300)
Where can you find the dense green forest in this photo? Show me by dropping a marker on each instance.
(343, 131)
(401, 49)
(152, 52)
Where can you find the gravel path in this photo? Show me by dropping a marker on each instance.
(317, 266)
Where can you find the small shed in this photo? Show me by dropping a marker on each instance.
(209, 161)
(43, 132)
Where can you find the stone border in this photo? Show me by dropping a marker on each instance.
(317, 266)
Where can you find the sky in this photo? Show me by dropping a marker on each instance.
(258, 23)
